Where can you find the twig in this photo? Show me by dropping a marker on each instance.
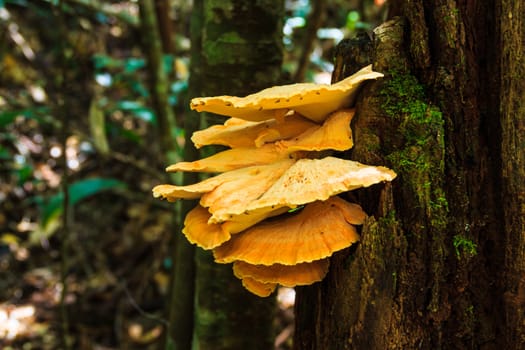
(162, 9)
(315, 20)
(160, 83)
(182, 282)
(125, 159)
(64, 116)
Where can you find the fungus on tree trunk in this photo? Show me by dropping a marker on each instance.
(236, 132)
(286, 275)
(314, 101)
(277, 162)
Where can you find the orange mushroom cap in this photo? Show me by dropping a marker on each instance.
(255, 180)
(314, 101)
(232, 197)
(334, 134)
(199, 232)
(289, 276)
(258, 288)
(251, 134)
(234, 158)
(306, 181)
(318, 179)
(320, 229)
(241, 222)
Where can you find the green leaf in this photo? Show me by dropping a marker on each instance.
(167, 63)
(179, 86)
(139, 88)
(352, 18)
(77, 192)
(293, 210)
(5, 154)
(133, 64)
(138, 110)
(97, 125)
(8, 117)
(103, 61)
(24, 174)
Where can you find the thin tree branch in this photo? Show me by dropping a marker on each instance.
(315, 19)
(61, 111)
(160, 83)
(182, 282)
(162, 8)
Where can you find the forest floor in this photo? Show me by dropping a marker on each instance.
(117, 275)
(114, 258)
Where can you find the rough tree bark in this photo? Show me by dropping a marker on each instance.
(512, 119)
(441, 262)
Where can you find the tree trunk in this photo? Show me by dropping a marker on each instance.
(512, 119)
(241, 53)
(441, 261)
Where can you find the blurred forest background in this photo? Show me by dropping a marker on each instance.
(77, 117)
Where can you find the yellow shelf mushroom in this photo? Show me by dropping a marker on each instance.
(308, 180)
(223, 190)
(314, 101)
(258, 288)
(289, 276)
(277, 161)
(314, 233)
(334, 134)
(236, 133)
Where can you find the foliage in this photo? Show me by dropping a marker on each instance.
(464, 246)
(52, 208)
(111, 153)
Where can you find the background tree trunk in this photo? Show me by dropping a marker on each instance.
(182, 288)
(512, 114)
(441, 261)
(241, 53)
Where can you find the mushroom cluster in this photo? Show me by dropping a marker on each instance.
(273, 211)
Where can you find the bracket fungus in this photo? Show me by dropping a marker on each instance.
(262, 280)
(199, 232)
(286, 275)
(236, 133)
(314, 233)
(258, 288)
(333, 134)
(277, 161)
(314, 101)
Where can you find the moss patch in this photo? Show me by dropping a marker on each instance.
(416, 152)
(419, 157)
(464, 247)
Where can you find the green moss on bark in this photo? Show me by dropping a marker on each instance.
(418, 158)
